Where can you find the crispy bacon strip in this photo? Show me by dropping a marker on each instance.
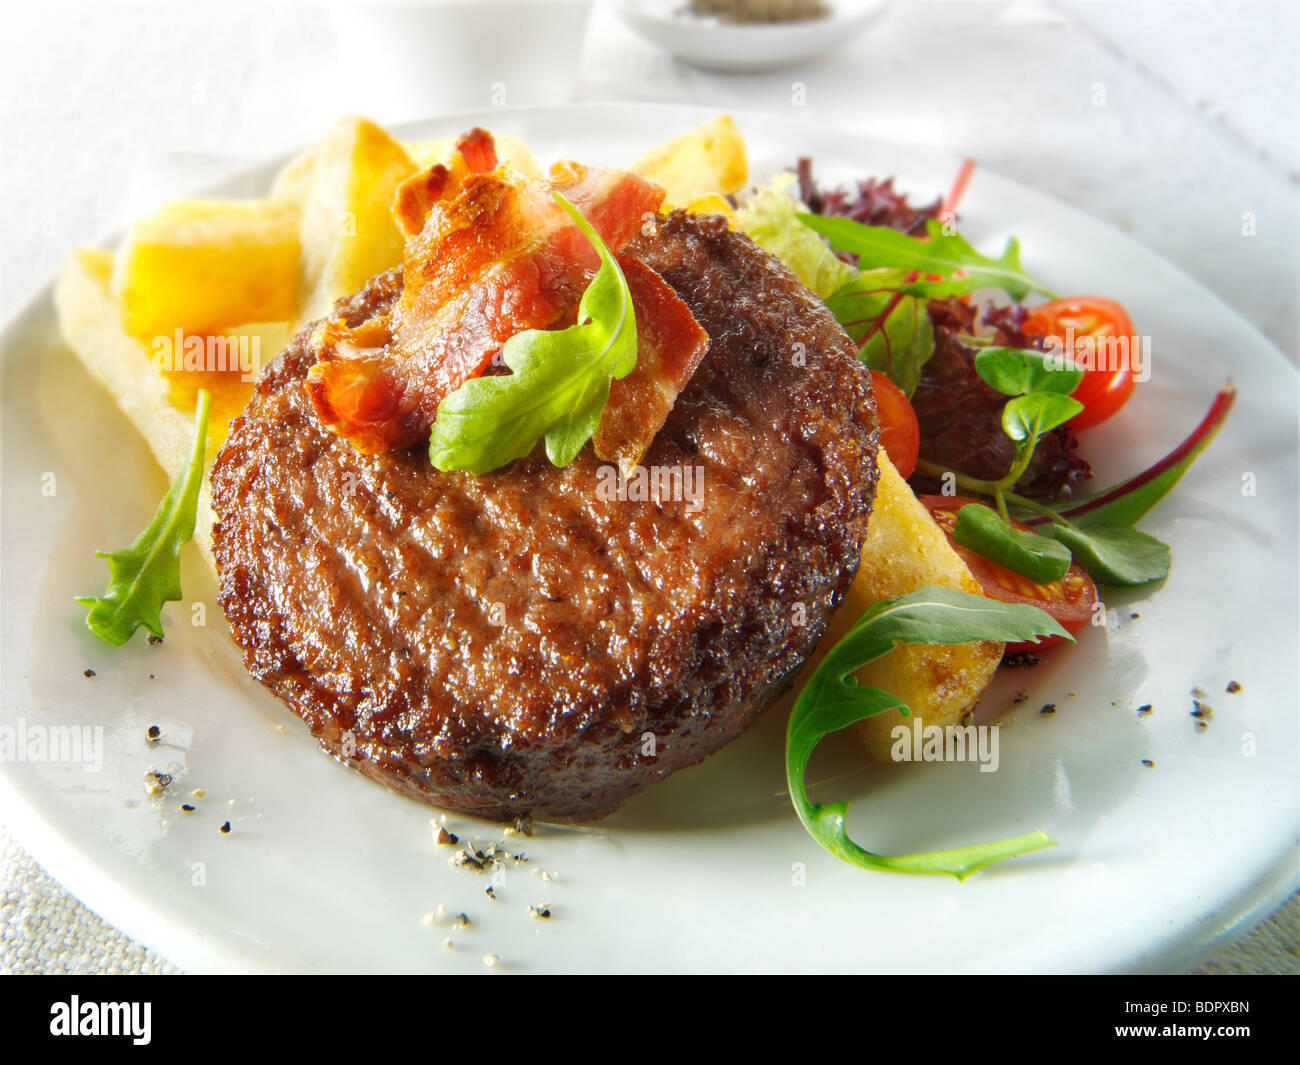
(670, 345)
(489, 255)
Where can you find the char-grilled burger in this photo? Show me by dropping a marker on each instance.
(526, 640)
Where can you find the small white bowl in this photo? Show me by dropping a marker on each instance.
(408, 59)
(744, 49)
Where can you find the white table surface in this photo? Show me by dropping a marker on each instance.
(109, 107)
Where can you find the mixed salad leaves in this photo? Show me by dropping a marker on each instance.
(908, 296)
(897, 302)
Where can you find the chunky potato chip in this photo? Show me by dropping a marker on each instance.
(712, 204)
(91, 322)
(709, 160)
(348, 232)
(905, 550)
(203, 265)
(510, 150)
(293, 181)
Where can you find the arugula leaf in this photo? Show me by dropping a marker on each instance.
(1012, 371)
(148, 573)
(879, 246)
(558, 385)
(832, 700)
(1027, 417)
(893, 330)
(1118, 555)
(983, 531)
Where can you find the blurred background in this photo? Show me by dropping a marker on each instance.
(1171, 121)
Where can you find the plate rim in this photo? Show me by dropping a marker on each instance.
(80, 875)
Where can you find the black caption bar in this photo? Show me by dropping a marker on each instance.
(333, 1013)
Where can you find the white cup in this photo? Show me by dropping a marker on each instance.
(407, 59)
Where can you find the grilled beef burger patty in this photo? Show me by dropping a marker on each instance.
(502, 644)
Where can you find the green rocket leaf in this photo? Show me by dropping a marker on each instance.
(148, 573)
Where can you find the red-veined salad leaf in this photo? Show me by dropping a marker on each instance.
(893, 329)
(1129, 500)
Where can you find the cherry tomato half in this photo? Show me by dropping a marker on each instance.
(1069, 600)
(1108, 380)
(900, 435)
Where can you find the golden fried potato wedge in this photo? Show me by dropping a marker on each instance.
(203, 265)
(91, 322)
(348, 234)
(293, 182)
(709, 160)
(712, 205)
(511, 151)
(905, 550)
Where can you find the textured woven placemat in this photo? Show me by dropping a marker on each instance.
(46, 930)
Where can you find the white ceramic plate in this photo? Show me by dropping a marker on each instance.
(749, 48)
(324, 870)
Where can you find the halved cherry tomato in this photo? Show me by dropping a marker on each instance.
(1069, 600)
(1109, 377)
(900, 435)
